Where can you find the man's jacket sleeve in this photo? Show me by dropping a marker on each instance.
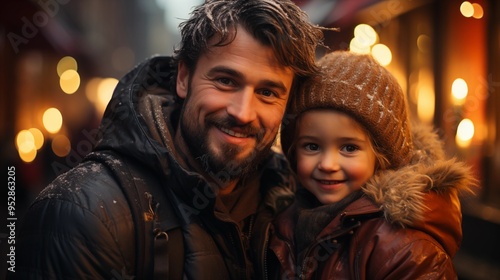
(72, 234)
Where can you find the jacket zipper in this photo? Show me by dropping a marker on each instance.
(234, 234)
(264, 252)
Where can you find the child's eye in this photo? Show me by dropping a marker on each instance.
(350, 148)
(311, 147)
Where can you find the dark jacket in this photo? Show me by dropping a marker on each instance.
(404, 224)
(81, 227)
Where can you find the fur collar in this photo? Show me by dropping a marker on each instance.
(402, 193)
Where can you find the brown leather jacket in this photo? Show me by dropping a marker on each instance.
(404, 224)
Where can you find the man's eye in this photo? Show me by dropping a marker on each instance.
(268, 93)
(225, 81)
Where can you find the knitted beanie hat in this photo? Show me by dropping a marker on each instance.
(359, 86)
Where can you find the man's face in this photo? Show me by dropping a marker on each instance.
(235, 100)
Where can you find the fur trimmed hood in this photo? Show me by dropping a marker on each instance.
(401, 193)
(423, 194)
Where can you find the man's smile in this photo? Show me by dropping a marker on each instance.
(234, 133)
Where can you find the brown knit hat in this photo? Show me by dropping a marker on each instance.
(359, 86)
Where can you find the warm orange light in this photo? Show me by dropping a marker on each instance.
(382, 54)
(37, 137)
(465, 132)
(365, 35)
(356, 47)
(28, 156)
(426, 97)
(105, 92)
(478, 11)
(459, 91)
(66, 63)
(467, 9)
(91, 89)
(69, 81)
(25, 142)
(52, 120)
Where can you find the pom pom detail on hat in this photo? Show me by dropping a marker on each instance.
(359, 86)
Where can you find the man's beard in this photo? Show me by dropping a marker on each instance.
(223, 166)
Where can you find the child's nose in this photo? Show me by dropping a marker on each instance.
(329, 162)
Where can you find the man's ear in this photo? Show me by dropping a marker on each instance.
(182, 80)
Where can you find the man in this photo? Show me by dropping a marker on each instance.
(183, 181)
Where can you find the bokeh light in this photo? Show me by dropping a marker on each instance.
(356, 47)
(465, 132)
(105, 92)
(38, 137)
(66, 63)
(28, 156)
(365, 35)
(478, 11)
(91, 89)
(25, 143)
(52, 120)
(424, 43)
(382, 54)
(61, 146)
(459, 90)
(69, 81)
(467, 9)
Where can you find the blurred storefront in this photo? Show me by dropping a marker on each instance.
(60, 60)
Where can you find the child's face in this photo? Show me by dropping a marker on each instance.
(334, 154)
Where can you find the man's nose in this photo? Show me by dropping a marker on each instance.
(242, 106)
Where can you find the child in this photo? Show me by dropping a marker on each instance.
(377, 198)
